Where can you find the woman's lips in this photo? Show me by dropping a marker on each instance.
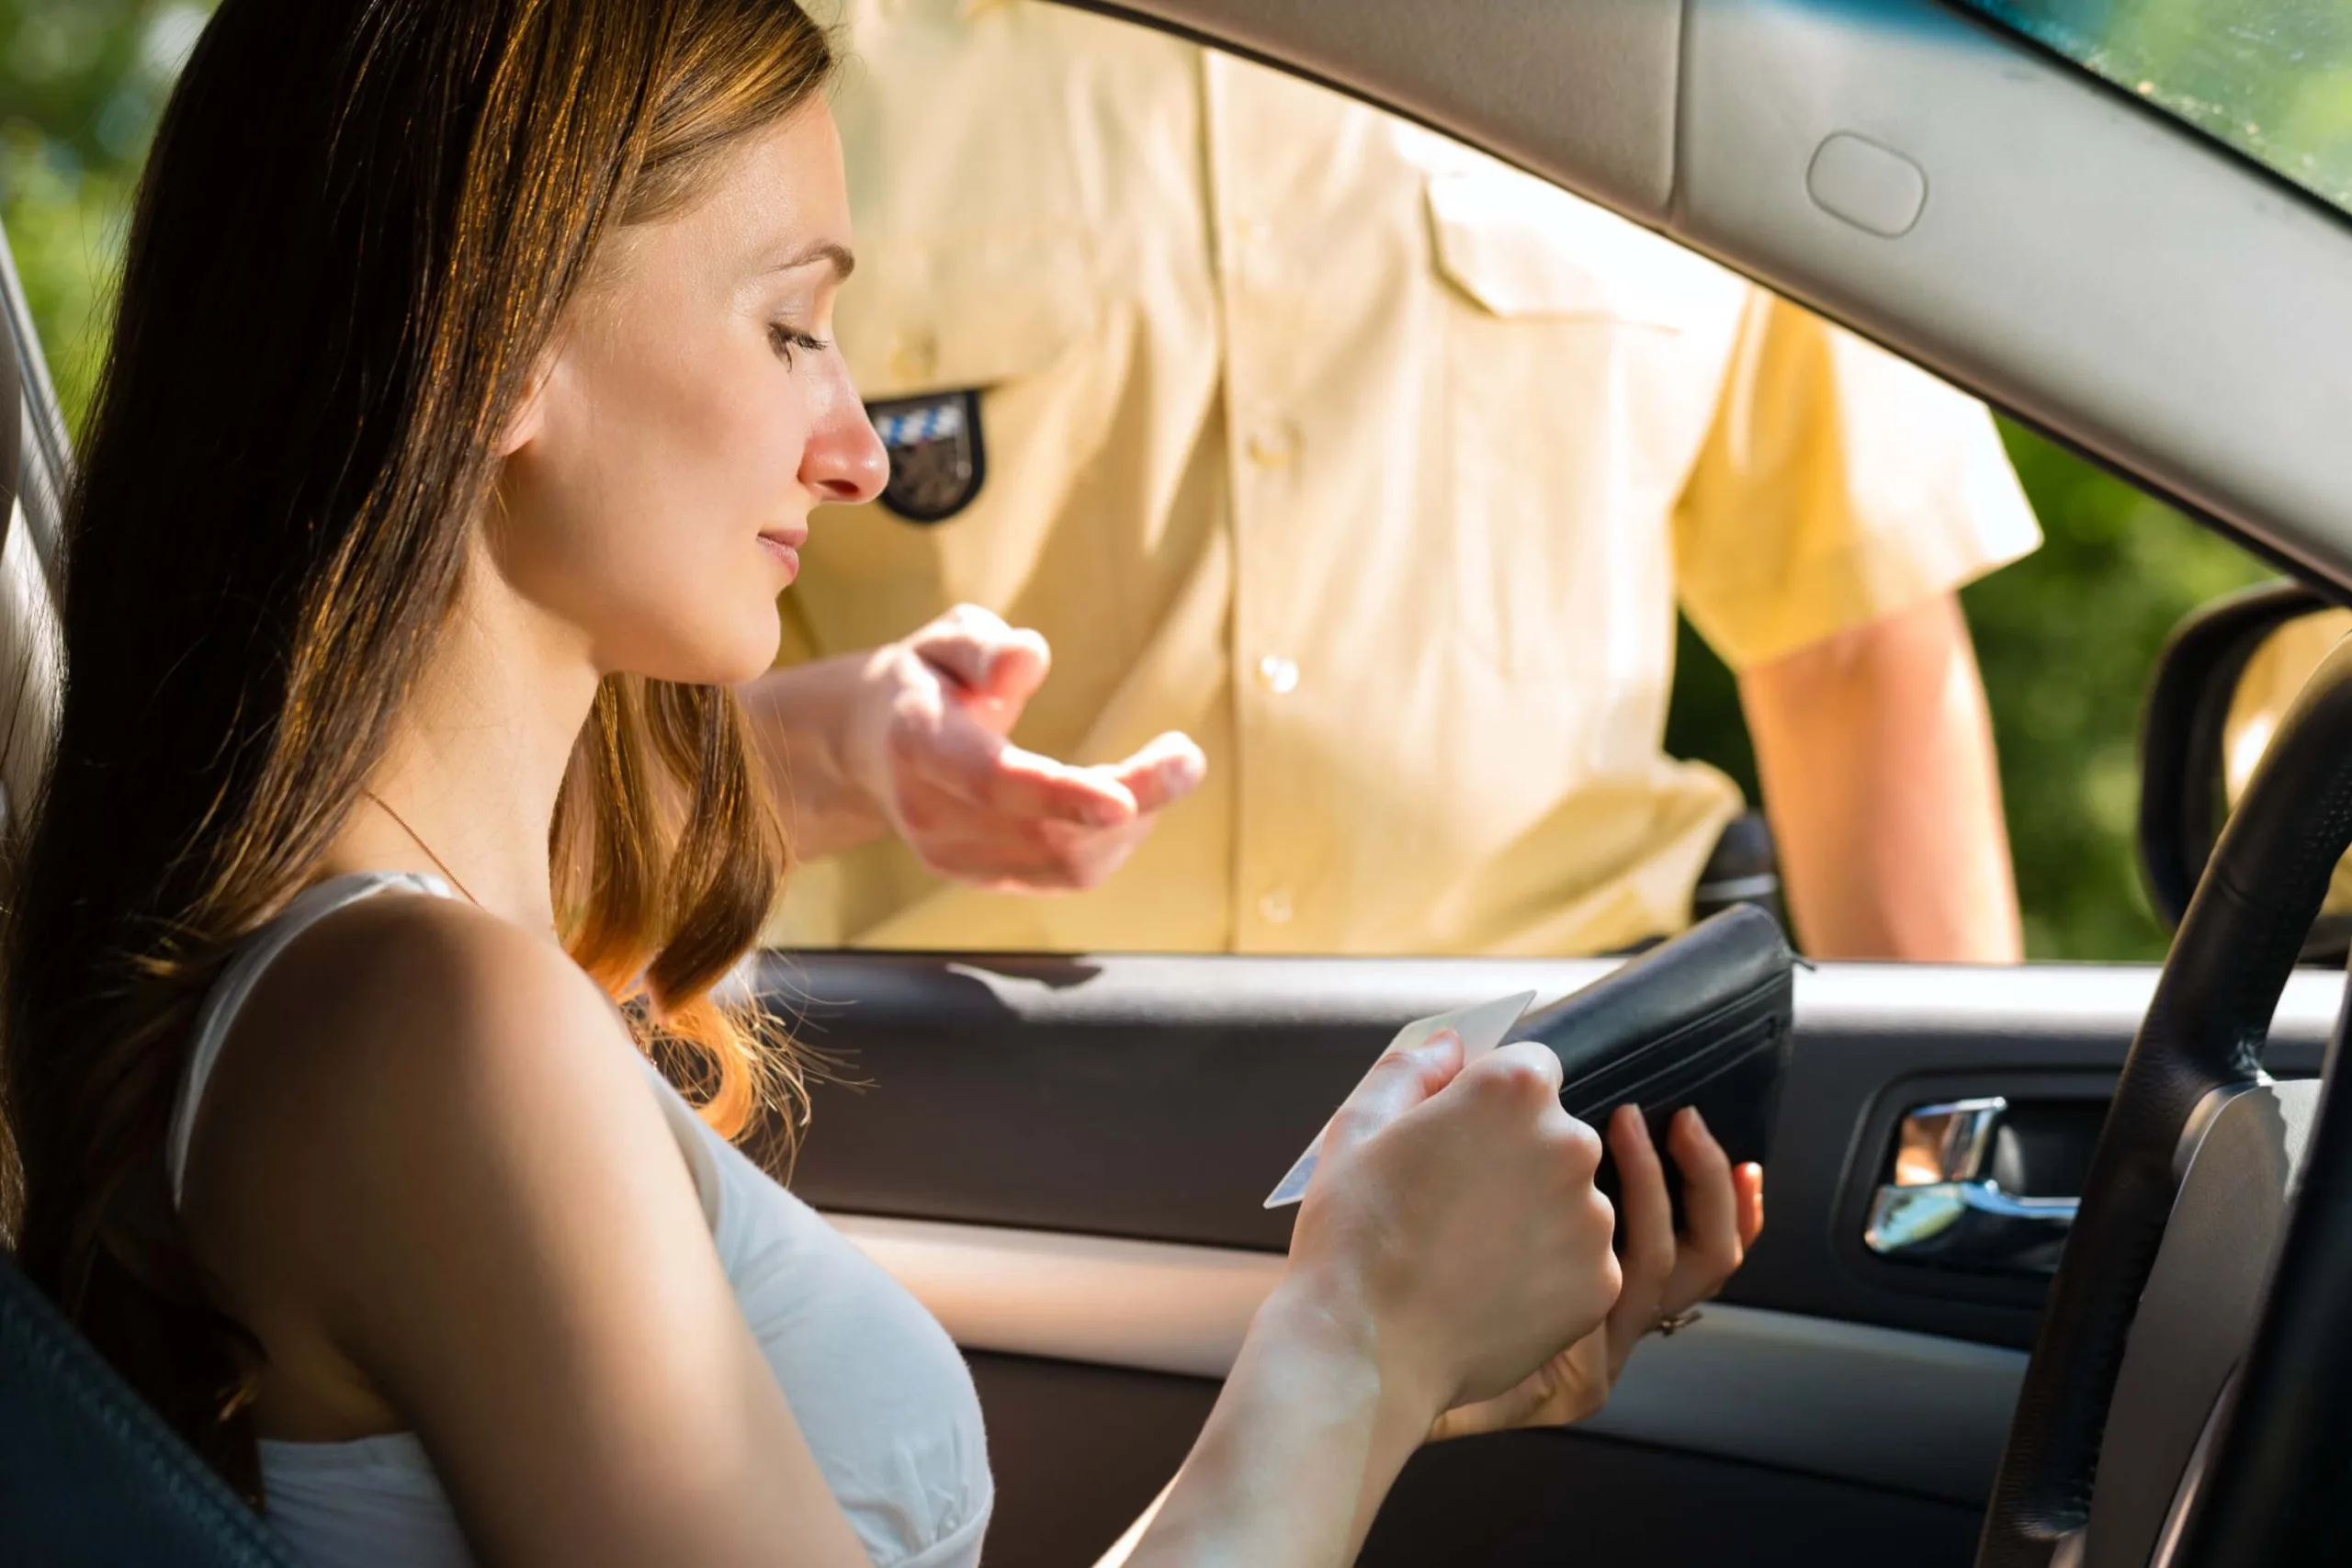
(784, 543)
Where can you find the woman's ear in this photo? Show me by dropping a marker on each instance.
(529, 417)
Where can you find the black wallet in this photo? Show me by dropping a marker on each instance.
(1702, 1020)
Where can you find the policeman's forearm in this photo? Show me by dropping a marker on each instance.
(801, 719)
(1876, 755)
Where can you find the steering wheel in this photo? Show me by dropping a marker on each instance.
(2189, 1399)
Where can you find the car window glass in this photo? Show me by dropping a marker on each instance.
(2272, 78)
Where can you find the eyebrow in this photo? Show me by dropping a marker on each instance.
(844, 263)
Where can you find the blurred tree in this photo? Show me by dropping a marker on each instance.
(2068, 638)
(81, 84)
(2272, 77)
(2065, 637)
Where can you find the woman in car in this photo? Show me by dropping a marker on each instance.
(469, 399)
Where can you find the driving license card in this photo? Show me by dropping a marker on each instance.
(1480, 1030)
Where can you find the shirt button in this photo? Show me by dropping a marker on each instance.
(1279, 675)
(1273, 446)
(1275, 907)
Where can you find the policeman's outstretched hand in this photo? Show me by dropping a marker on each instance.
(928, 745)
(1666, 1274)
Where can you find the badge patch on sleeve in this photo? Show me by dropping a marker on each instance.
(937, 463)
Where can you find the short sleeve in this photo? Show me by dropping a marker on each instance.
(1838, 484)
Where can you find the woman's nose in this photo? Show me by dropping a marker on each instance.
(845, 461)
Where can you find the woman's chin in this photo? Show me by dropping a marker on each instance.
(709, 662)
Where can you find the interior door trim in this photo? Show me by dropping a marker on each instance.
(831, 988)
(1880, 1406)
(1153, 1306)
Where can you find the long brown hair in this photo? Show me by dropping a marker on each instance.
(359, 224)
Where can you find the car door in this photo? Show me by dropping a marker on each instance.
(1063, 1154)
(1064, 1158)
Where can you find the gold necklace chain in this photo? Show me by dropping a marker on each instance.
(420, 844)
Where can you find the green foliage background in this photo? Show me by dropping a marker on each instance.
(2065, 637)
(81, 84)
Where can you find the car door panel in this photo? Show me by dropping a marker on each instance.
(1839, 1400)
(1077, 1450)
(1066, 1159)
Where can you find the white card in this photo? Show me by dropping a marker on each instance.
(1480, 1029)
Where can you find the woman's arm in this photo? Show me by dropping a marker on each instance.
(1302, 1445)
(1451, 1242)
(433, 1179)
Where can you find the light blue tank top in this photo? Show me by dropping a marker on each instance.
(879, 1389)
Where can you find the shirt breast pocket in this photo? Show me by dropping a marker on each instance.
(1584, 358)
(964, 310)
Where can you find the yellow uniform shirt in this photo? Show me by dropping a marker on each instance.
(1374, 464)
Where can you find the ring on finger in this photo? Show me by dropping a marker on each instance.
(1673, 1323)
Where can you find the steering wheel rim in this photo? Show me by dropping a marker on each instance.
(2266, 1488)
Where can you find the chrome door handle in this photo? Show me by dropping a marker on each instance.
(1943, 1209)
(1970, 1224)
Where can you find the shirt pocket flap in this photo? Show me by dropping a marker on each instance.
(1521, 246)
(962, 311)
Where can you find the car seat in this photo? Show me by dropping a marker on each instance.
(88, 1473)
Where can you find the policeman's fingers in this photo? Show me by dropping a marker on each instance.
(1025, 787)
(972, 765)
(983, 656)
(958, 643)
(974, 845)
(1163, 771)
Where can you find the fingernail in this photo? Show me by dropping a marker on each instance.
(1430, 1052)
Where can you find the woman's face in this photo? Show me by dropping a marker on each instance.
(689, 415)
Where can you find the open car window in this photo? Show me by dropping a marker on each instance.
(2272, 78)
(967, 285)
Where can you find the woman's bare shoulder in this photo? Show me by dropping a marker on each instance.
(413, 995)
(398, 1062)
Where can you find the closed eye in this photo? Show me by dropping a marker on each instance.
(788, 341)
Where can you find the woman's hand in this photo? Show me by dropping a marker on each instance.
(1451, 1245)
(1665, 1275)
(1454, 1224)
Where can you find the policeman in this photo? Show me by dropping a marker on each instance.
(1351, 478)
